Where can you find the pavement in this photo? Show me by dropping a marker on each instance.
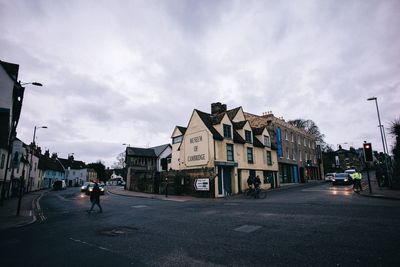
(377, 191)
(30, 210)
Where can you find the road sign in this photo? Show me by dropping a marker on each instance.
(202, 184)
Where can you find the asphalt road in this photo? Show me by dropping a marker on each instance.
(314, 225)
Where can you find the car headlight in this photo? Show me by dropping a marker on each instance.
(345, 179)
(101, 189)
(90, 189)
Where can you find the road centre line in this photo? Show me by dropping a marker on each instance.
(91, 245)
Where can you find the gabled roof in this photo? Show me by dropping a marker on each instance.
(160, 149)
(11, 69)
(73, 164)
(181, 129)
(141, 152)
(237, 138)
(232, 113)
(258, 131)
(206, 118)
(239, 125)
(257, 142)
(216, 119)
(46, 163)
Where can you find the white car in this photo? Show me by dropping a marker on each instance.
(329, 177)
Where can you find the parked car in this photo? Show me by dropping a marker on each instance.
(342, 178)
(59, 185)
(85, 186)
(90, 189)
(329, 177)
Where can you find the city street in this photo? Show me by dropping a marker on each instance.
(312, 225)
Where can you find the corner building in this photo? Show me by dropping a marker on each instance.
(225, 143)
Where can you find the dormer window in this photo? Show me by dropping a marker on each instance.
(267, 141)
(177, 140)
(227, 131)
(247, 135)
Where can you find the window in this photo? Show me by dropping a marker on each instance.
(287, 153)
(293, 154)
(229, 152)
(177, 139)
(250, 155)
(306, 155)
(3, 157)
(300, 156)
(299, 139)
(286, 135)
(266, 141)
(269, 158)
(247, 135)
(227, 131)
(305, 142)
(292, 137)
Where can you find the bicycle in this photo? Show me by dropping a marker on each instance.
(254, 193)
(357, 186)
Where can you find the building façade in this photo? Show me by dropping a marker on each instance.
(299, 157)
(225, 145)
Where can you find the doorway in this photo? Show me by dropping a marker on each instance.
(224, 181)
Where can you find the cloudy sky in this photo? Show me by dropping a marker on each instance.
(128, 71)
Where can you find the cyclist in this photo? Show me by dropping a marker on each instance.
(356, 176)
(250, 181)
(257, 183)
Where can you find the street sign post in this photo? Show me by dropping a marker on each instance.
(202, 184)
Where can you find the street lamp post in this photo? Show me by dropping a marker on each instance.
(33, 145)
(11, 137)
(382, 136)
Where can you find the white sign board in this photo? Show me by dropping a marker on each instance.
(202, 184)
(196, 149)
(16, 153)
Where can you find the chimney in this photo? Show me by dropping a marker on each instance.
(54, 155)
(217, 108)
(47, 153)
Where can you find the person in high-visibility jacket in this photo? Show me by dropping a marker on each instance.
(356, 180)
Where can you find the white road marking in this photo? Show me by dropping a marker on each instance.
(247, 228)
(90, 245)
(139, 206)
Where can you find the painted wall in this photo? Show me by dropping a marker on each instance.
(163, 155)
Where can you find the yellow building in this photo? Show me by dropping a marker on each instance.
(225, 142)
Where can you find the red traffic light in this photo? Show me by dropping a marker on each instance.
(368, 154)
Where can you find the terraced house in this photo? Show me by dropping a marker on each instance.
(227, 146)
(298, 156)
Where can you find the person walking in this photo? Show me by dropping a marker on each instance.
(95, 197)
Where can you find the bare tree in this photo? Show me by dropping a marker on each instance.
(310, 127)
(120, 163)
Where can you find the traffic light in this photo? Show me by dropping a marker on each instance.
(368, 152)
